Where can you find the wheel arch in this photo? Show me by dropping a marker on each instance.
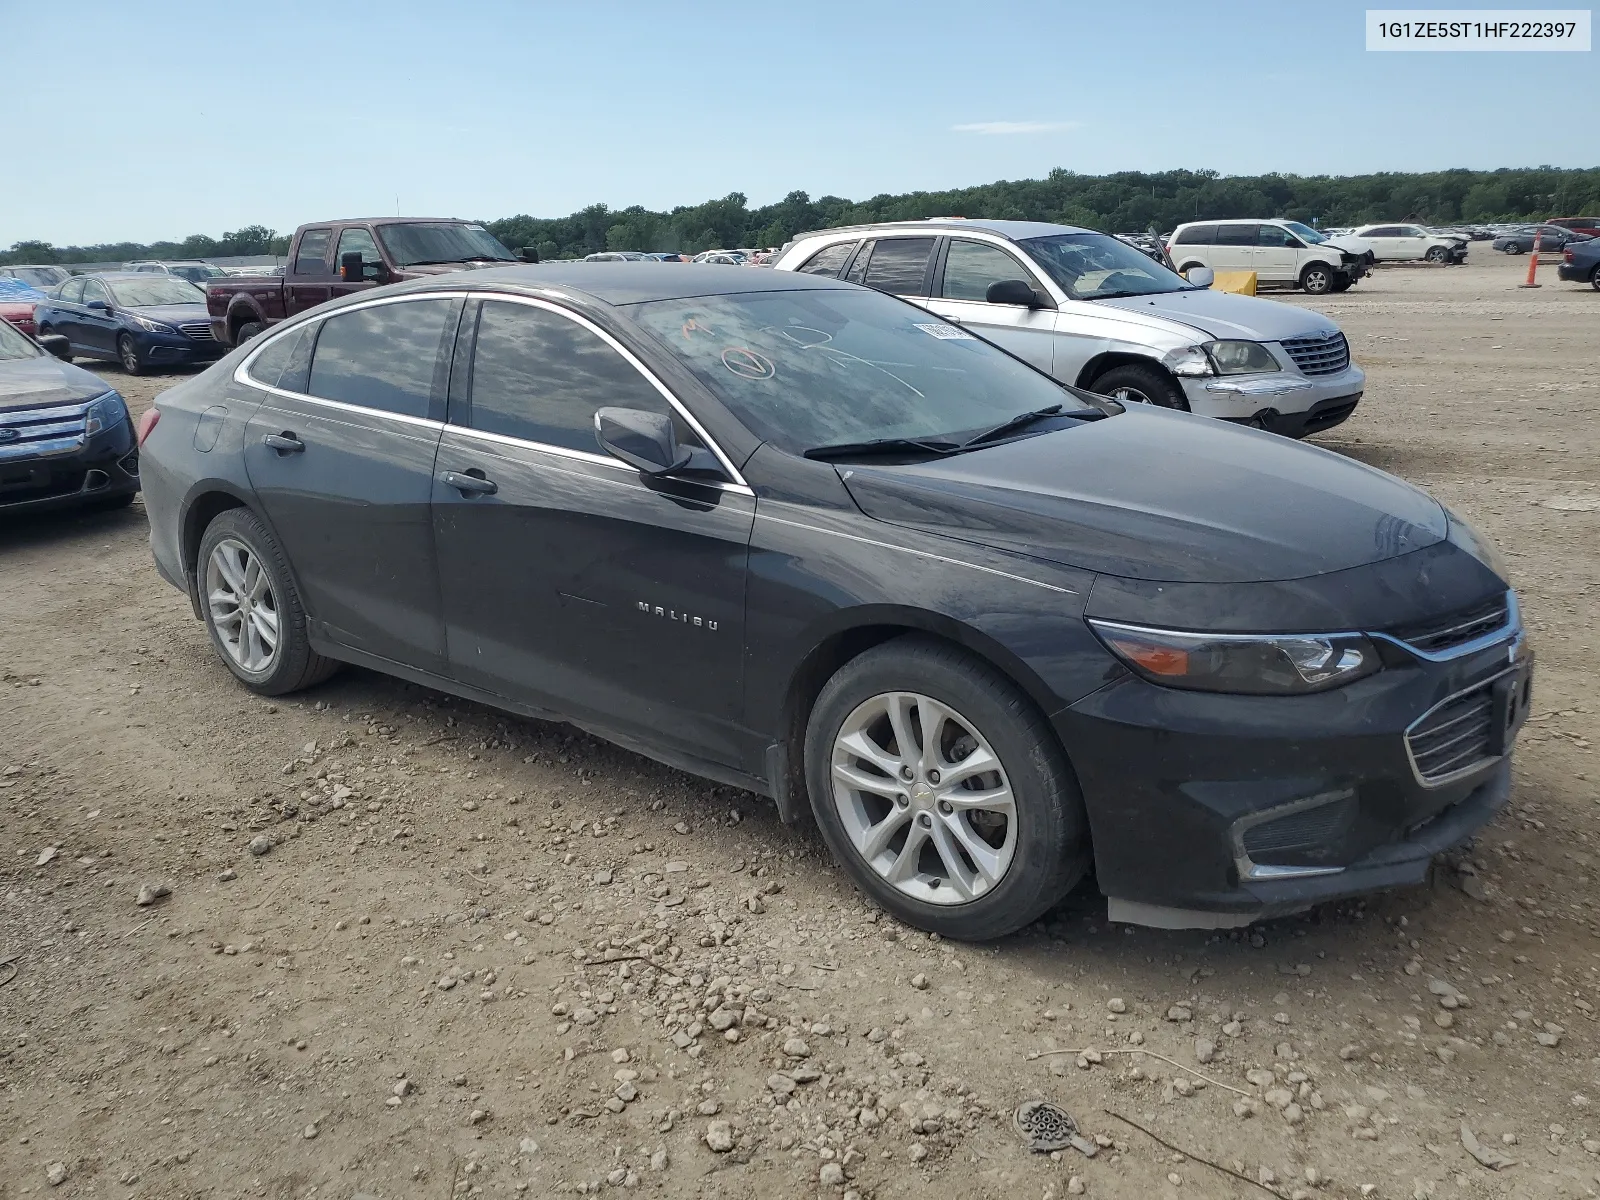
(242, 310)
(851, 633)
(1109, 360)
(205, 502)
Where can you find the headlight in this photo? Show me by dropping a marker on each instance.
(152, 326)
(1191, 361)
(1249, 664)
(105, 413)
(1241, 358)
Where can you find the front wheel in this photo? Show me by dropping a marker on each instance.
(942, 791)
(128, 353)
(1516, 248)
(252, 609)
(1317, 279)
(1437, 254)
(1136, 383)
(1594, 279)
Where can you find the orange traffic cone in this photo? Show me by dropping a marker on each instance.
(1533, 264)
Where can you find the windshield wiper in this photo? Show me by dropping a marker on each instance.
(884, 446)
(1008, 426)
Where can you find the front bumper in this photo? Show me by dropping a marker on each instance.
(1226, 809)
(157, 348)
(103, 466)
(1267, 399)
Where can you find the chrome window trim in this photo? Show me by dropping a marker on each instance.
(242, 376)
(763, 515)
(1466, 772)
(998, 240)
(598, 460)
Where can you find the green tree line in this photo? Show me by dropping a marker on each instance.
(1129, 201)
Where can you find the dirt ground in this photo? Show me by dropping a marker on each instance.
(485, 956)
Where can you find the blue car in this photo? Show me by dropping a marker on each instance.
(141, 321)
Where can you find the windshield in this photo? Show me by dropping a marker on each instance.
(13, 345)
(156, 289)
(806, 369)
(196, 273)
(1092, 266)
(444, 242)
(41, 277)
(1305, 233)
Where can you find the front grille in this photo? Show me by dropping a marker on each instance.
(1308, 829)
(1319, 355)
(31, 432)
(1458, 628)
(1453, 737)
(200, 331)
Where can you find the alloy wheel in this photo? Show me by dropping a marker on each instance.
(130, 356)
(1129, 395)
(243, 609)
(924, 798)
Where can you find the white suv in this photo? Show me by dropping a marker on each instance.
(1102, 315)
(1403, 243)
(1277, 251)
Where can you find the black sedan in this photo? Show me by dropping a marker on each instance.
(1551, 239)
(1580, 263)
(65, 438)
(142, 321)
(807, 539)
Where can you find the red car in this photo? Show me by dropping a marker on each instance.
(16, 303)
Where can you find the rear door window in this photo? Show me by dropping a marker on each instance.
(540, 377)
(829, 260)
(310, 258)
(390, 357)
(970, 267)
(899, 266)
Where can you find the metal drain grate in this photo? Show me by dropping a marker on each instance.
(1047, 1127)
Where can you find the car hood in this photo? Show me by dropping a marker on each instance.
(41, 382)
(1225, 315)
(446, 268)
(1161, 496)
(172, 314)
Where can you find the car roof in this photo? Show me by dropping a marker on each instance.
(1015, 230)
(627, 282)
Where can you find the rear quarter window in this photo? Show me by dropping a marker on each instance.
(1196, 235)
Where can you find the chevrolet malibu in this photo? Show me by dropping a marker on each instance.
(808, 539)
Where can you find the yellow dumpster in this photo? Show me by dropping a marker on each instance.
(1242, 283)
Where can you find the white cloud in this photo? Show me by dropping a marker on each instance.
(1003, 127)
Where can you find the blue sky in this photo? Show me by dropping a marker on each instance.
(203, 117)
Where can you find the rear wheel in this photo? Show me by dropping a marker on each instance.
(246, 331)
(1134, 383)
(128, 354)
(942, 791)
(1317, 279)
(252, 609)
(1515, 248)
(1594, 279)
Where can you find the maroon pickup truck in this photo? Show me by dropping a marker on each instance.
(335, 258)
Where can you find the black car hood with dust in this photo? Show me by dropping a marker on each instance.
(1160, 496)
(43, 381)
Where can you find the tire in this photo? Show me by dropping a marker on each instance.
(247, 331)
(1515, 248)
(1135, 383)
(1317, 279)
(1043, 840)
(238, 555)
(1437, 254)
(128, 356)
(1594, 279)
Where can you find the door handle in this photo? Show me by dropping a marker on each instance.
(284, 443)
(471, 482)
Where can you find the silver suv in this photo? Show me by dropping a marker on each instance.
(1098, 313)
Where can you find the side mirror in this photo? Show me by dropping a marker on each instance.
(1012, 291)
(350, 267)
(1201, 276)
(527, 254)
(57, 345)
(98, 306)
(643, 440)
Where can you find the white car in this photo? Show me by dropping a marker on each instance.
(1277, 251)
(1404, 243)
(1101, 315)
